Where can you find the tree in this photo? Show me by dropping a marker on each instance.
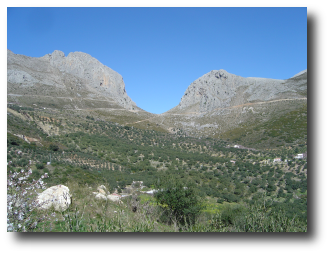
(40, 165)
(230, 198)
(180, 200)
(53, 147)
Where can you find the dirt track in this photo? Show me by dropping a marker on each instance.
(187, 113)
(71, 98)
(237, 106)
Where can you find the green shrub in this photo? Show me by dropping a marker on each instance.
(179, 200)
(257, 219)
(22, 162)
(230, 213)
(53, 147)
(40, 165)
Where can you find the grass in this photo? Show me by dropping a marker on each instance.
(140, 213)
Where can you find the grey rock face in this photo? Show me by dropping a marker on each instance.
(20, 76)
(300, 73)
(298, 82)
(220, 89)
(77, 69)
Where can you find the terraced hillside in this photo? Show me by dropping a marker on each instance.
(252, 111)
(255, 112)
(74, 85)
(87, 152)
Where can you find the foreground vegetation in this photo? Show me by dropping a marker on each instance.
(86, 214)
(204, 184)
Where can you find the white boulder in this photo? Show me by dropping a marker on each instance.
(101, 187)
(101, 191)
(103, 194)
(57, 196)
(100, 196)
(114, 198)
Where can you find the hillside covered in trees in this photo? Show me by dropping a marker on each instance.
(231, 184)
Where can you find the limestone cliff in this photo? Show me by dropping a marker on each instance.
(220, 89)
(77, 75)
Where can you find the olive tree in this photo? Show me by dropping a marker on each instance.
(179, 200)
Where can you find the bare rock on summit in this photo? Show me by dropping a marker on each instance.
(220, 89)
(227, 106)
(75, 75)
(304, 72)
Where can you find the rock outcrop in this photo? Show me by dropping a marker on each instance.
(304, 72)
(104, 194)
(57, 196)
(114, 197)
(75, 75)
(227, 106)
(213, 105)
(220, 89)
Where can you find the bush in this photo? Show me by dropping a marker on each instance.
(257, 219)
(22, 162)
(53, 147)
(20, 201)
(180, 201)
(40, 166)
(230, 213)
(230, 198)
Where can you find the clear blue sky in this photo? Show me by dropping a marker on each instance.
(161, 51)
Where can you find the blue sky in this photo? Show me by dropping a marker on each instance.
(161, 51)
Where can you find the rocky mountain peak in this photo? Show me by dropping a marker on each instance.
(220, 74)
(57, 54)
(97, 78)
(300, 73)
(219, 89)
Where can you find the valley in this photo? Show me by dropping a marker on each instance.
(91, 152)
(233, 141)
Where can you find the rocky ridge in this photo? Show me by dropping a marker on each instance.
(218, 104)
(77, 75)
(220, 89)
(249, 110)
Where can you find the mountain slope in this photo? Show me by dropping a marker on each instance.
(220, 89)
(75, 77)
(227, 106)
(77, 84)
(256, 112)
